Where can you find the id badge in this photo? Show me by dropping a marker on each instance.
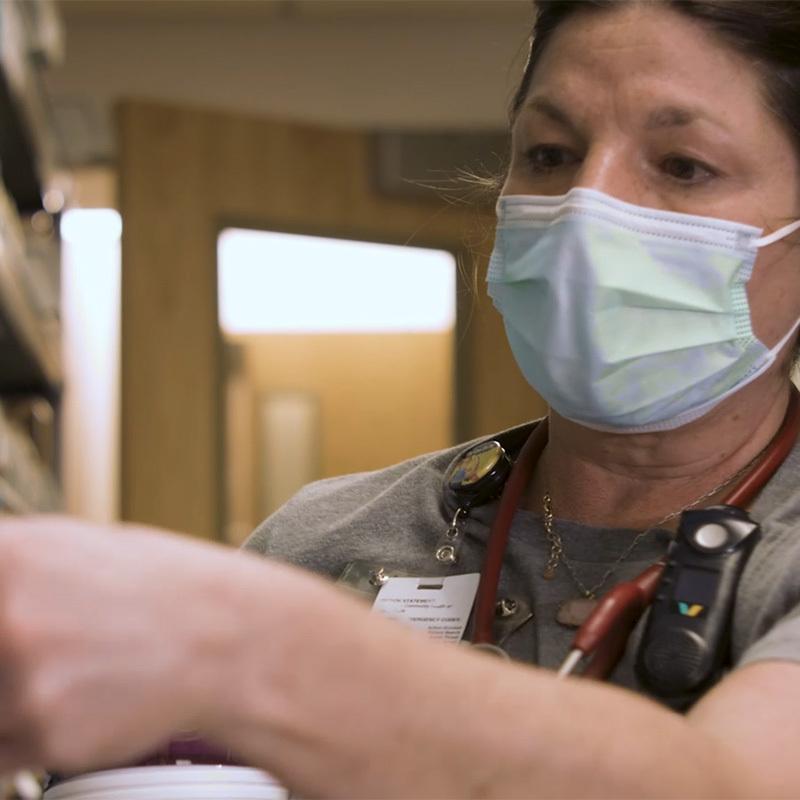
(439, 607)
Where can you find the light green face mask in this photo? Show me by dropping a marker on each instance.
(626, 318)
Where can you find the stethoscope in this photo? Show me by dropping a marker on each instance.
(600, 641)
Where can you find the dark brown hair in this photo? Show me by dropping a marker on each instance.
(766, 31)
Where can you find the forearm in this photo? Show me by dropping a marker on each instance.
(336, 702)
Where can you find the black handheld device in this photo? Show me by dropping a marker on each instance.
(686, 640)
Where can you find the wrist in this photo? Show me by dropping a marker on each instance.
(213, 639)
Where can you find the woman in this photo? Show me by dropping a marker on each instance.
(672, 129)
(637, 349)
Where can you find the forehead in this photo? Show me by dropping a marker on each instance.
(644, 54)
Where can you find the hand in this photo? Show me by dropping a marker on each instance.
(110, 637)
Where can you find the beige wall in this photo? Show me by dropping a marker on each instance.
(382, 398)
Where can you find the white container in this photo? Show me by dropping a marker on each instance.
(181, 782)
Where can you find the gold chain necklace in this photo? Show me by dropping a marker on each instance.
(575, 611)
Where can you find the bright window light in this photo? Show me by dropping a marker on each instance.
(90, 338)
(84, 227)
(283, 283)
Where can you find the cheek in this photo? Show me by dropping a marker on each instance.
(774, 290)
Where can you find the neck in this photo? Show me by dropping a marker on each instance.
(635, 480)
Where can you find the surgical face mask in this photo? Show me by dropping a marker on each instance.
(624, 318)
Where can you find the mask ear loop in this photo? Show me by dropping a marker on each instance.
(777, 235)
(764, 241)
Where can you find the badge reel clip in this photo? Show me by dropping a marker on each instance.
(475, 478)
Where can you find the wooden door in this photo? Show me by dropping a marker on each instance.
(184, 175)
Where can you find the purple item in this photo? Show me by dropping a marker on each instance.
(191, 749)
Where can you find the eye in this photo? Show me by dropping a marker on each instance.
(687, 170)
(548, 157)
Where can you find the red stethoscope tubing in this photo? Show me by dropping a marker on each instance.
(521, 472)
(605, 633)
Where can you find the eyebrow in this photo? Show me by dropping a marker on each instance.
(671, 117)
(548, 109)
(660, 118)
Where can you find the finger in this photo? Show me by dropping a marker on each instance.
(16, 755)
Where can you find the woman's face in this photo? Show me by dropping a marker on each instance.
(645, 104)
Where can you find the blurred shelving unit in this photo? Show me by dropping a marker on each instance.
(30, 350)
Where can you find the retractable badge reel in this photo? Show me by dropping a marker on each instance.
(477, 477)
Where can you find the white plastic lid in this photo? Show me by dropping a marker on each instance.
(181, 782)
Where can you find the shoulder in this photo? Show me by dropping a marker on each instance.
(389, 513)
(767, 615)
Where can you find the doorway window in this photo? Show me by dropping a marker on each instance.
(284, 283)
(339, 359)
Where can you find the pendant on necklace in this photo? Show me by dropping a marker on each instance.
(574, 612)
